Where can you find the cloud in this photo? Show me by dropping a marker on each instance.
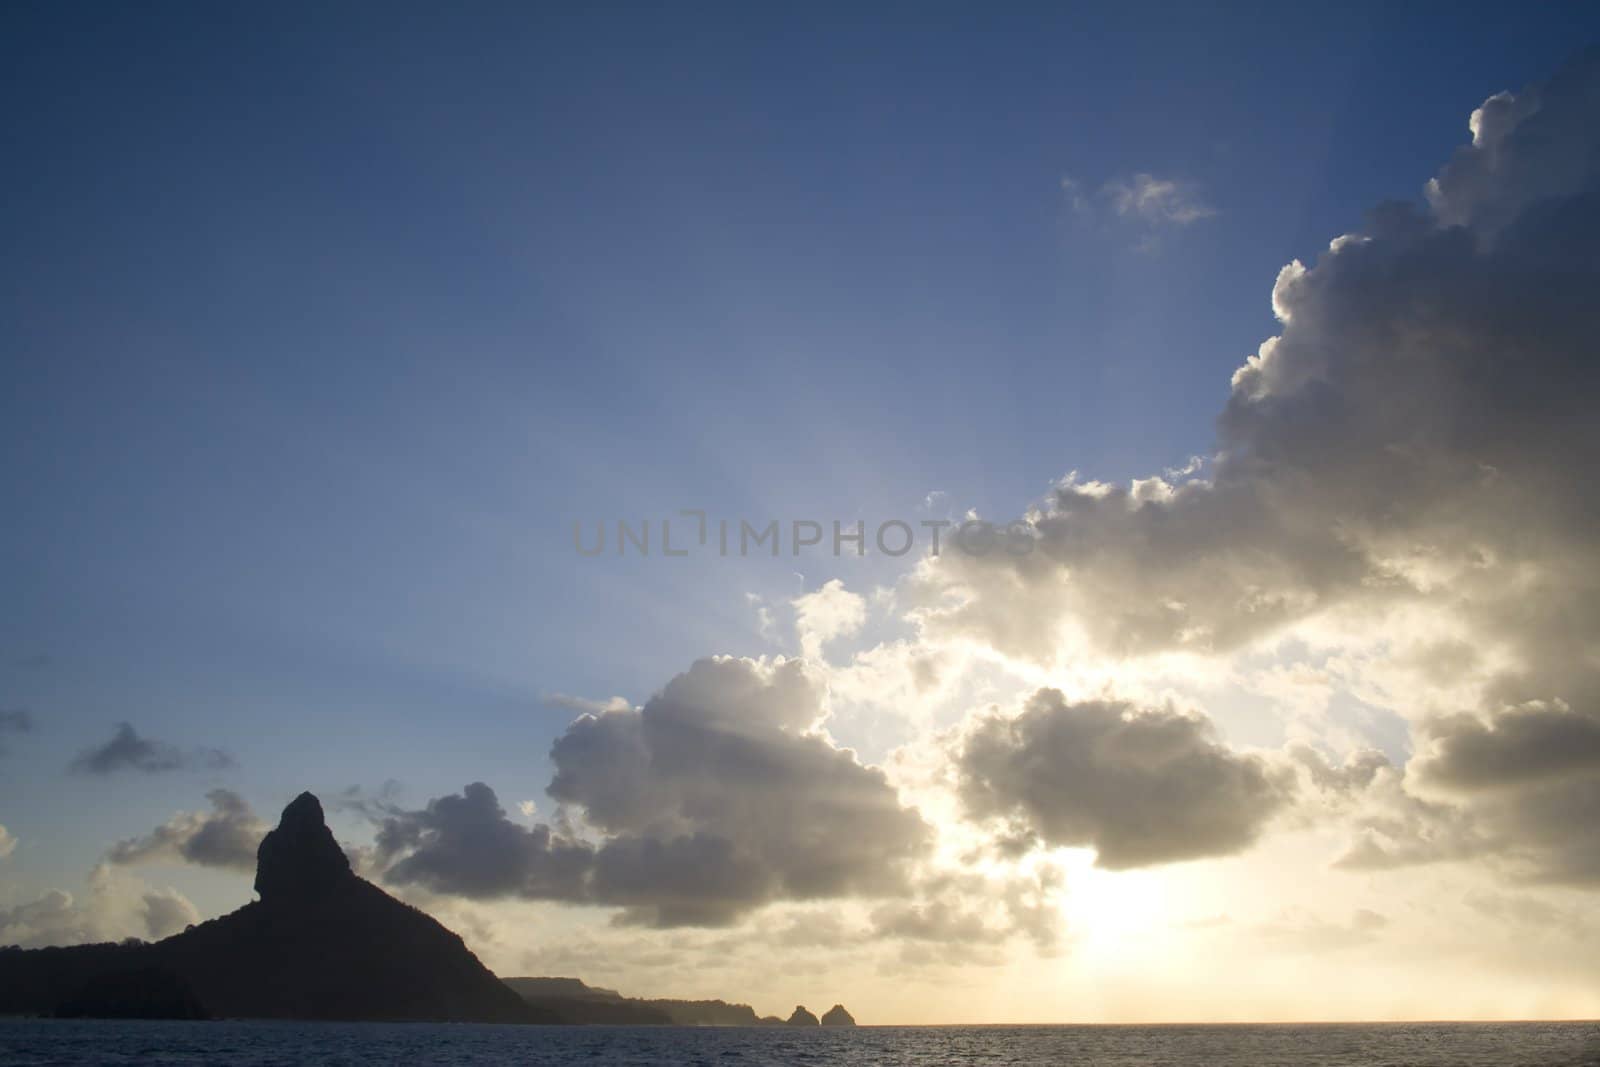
(1422, 417)
(128, 751)
(1157, 201)
(370, 804)
(116, 907)
(1410, 458)
(583, 705)
(226, 836)
(47, 920)
(1142, 203)
(969, 909)
(465, 845)
(1393, 827)
(1141, 786)
(718, 767)
(1536, 742)
(1358, 771)
(167, 912)
(709, 801)
(14, 721)
(1072, 190)
(941, 931)
(826, 614)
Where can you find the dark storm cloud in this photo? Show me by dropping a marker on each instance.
(226, 836)
(126, 750)
(707, 802)
(1140, 786)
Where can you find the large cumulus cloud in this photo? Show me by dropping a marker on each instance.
(1141, 786)
(715, 797)
(1417, 443)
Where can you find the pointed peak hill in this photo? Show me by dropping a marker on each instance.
(300, 857)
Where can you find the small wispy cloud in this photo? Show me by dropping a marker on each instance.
(128, 751)
(1142, 201)
(1159, 201)
(766, 626)
(1076, 197)
(584, 705)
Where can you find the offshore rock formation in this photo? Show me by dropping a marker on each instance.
(837, 1016)
(321, 943)
(801, 1017)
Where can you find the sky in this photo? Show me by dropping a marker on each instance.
(330, 337)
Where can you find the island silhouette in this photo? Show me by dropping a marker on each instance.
(322, 943)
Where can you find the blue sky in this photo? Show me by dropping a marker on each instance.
(321, 328)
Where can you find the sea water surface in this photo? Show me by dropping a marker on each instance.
(290, 1044)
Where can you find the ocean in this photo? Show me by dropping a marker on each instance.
(291, 1044)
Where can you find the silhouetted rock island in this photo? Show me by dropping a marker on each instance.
(801, 1017)
(837, 1016)
(321, 943)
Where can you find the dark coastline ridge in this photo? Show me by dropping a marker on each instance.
(322, 943)
(569, 1000)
